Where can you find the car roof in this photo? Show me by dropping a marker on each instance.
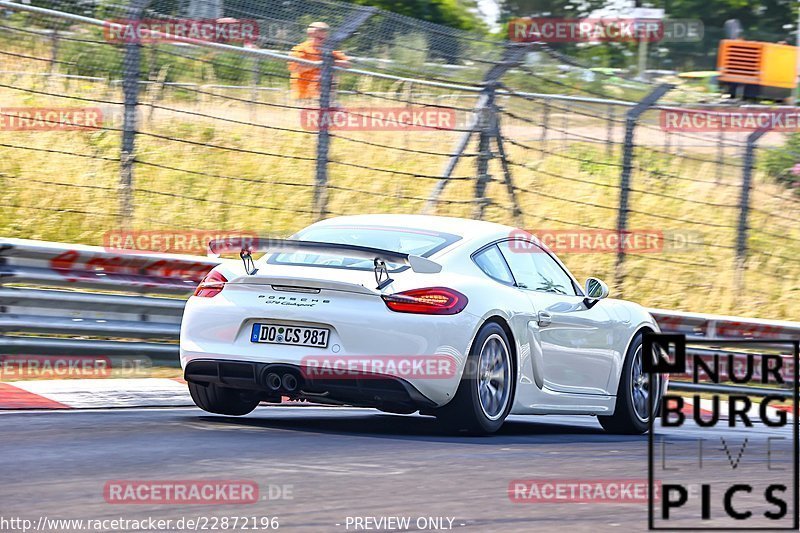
(463, 227)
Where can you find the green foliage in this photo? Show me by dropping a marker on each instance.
(779, 162)
(547, 8)
(461, 14)
(767, 20)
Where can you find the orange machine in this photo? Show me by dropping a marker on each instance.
(757, 71)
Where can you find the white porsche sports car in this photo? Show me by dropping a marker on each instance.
(465, 320)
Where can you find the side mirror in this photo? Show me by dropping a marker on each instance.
(595, 291)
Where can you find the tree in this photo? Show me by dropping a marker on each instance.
(760, 20)
(461, 14)
(510, 9)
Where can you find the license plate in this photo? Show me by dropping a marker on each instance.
(294, 335)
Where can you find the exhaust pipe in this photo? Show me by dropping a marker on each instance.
(289, 382)
(273, 381)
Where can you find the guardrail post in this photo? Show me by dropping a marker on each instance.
(631, 118)
(325, 99)
(130, 87)
(744, 205)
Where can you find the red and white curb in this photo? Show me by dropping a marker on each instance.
(166, 392)
(94, 393)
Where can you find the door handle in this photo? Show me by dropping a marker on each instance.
(544, 319)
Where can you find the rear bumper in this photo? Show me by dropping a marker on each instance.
(220, 329)
(364, 390)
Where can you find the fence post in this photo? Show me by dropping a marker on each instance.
(545, 126)
(514, 55)
(631, 117)
(254, 92)
(516, 212)
(325, 98)
(485, 132)
(610, 131)
(54, 43)
(131, 66)
(744, 205)
(720, 154)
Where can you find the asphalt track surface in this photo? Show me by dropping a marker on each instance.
(341, 462)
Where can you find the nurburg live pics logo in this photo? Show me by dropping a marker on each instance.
(746, 466)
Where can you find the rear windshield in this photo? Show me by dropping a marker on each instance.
(407, 241)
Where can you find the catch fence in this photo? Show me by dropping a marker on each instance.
(202, 135)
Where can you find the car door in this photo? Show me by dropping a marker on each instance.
(575, 340)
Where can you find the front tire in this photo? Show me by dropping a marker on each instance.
(484, 397)
(221, 400)
(632, 412)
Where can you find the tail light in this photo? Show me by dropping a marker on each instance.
(211, 285)
(430, 301)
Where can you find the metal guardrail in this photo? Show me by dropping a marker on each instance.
(687, 386)
(76, 300)
(704, 326)
(66, 299)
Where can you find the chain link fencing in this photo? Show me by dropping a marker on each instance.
(198, 134)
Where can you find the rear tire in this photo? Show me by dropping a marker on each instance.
(221, 400)
(484, 397)
(632, 412)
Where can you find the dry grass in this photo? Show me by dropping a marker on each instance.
(262, 182)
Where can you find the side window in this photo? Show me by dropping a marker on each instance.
(492, 263)
(535, 269)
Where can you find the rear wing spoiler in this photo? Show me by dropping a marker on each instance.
(247, 245)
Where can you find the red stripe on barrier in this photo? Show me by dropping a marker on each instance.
(688, 408)
(12, 397)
